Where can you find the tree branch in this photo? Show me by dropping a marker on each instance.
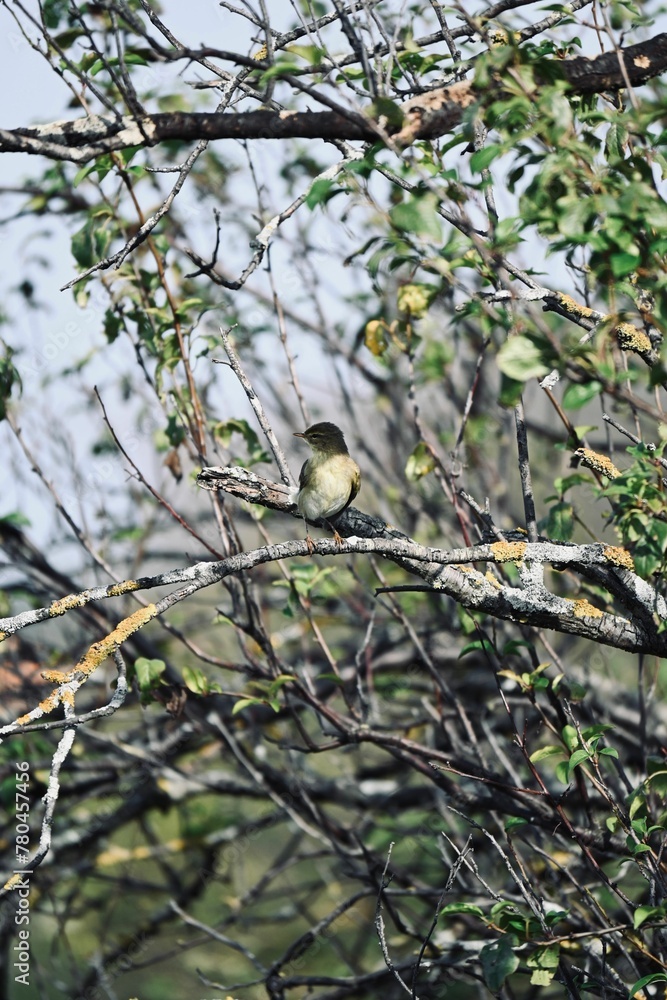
(426, 116)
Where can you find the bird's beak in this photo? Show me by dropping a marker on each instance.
(298, 434)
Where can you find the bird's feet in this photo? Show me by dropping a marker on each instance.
(310, 544)
(337, 538)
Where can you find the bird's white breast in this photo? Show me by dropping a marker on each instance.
(326, 495)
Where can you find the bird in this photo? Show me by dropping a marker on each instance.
(329, 480)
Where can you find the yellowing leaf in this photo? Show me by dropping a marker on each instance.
(375, 337)
(420, 463)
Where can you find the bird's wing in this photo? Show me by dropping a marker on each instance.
(354, 489)
(302, 474)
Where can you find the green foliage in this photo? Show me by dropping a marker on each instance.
(419, 463)
(575, 750)
(309, 583)
(559, 523)
(92, 241)
(321, 192)
(499, 961)
(522, 358)
(9, 378)
(196, 681)
(148, 674)
(638, 988)
(418, 215)
(577, 395)
(639, 507)
(268, 694)
(54, 11)
(224, 432)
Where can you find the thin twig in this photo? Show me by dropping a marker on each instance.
(142, 479)
(254, 400)
(524, 472)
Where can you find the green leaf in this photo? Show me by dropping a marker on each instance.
(82, 246)
(576, 396)
(559, 523)
(83, 173)
(541, 977)
(483, 158)
(510, 391)
(578, 757)
(224, 431)
(9, 379)
(498, 962)
(53, 11)
(624, 263)
(644, 913)
(279, 682)
(513, 822)
(544, 752)
(320, 193)
(615, 142)
(461, 908)
(657, 775)
(521, 359)
(420, 463)
(245, 702)
(476, 646)
(655, 977)
(112, 325)
(564, 483)
(174, 430)
(514, 646)
(91, 241)
(280, 68)
(419, 215)
(16, 520)
(196, 681)
(544, 961)
(563, 771)
(384, 107)
(148, 672)
(590, 732)
(570, 737)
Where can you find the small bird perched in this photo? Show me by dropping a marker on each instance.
(330, 480)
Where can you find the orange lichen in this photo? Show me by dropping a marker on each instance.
(575, 308)
(619, 556)
(44, 708)
(584, 609)
(66, 604)
(598, 463)
(631, 339)
(508, 551)
(67, 697)
(54, 676)
(126, 587)
(99, 651)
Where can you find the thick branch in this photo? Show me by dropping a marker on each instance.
(426, 116)
(452, 572)
(531, 604)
